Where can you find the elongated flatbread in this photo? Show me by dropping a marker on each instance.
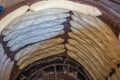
(10, 17)
(81, 8)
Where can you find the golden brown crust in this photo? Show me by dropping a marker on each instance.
(107, 16)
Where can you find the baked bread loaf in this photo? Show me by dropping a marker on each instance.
(37, 34)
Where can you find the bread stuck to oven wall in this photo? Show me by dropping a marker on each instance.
(54, 40)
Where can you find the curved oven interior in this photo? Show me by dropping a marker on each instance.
(53, 42)
(59, 67)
